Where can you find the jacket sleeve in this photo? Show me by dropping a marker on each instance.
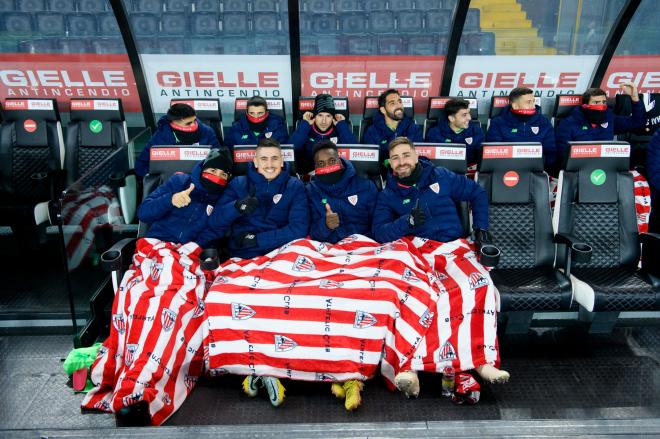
(159, 202)
(415, 132)
(299, 137)
(224, 212)
(371, 136)
(298, 226)
(494, 133)
(142, 162)
(281, 134)
(624, 124)
(549, 146)
(230, 137)
(475, 147)
(345, 133)
(386, 227)
(433, 135)
(464, 189)
(653, 161)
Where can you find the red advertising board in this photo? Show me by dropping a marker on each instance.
(641, 70)
(63, 77)
(357, 77)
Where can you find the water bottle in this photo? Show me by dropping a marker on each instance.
(448, 381)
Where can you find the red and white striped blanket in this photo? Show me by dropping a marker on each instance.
(316, 311)
(154, 352)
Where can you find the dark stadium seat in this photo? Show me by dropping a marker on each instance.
(30, 5)
(174, 23)
(235, 23)
(38, 45)
(50, 24)
(266, 22)
(153, 6)
(410, 22)
(595, 217)
(82, 24)
(207, 111)
(438, 21)
(428, 5)
(427, 45)
(169, 45)
(521, 224)
(31, 160)
(275, 106)
(18, 23)
(375, 5)
(382, 22)
(271, 45)
(108, 25)
(243, 155)
(400, 5)
(178, 6)
(204, 23)
(363, 45)
(93, 6)
(207, 6)
(234, 6)
(390, 45)
(238, 46)
(7, 5)
(108, 45)
(473, 20)
(353, 23)
(322, 23)
(348, 5)
(144, 24)
(74, 45)
(68, 6)
(318, 6)
(477, 43)
(265, 5)
(206, 46)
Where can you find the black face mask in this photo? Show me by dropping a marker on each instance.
(412, 178)
(329, 177)
(595, 116)
(213, 184)
(258, 127)
(187, 138)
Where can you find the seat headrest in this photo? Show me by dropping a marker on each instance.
(206, 109)
(371, 107)
(109, 110)
(511, 165)
(437, 105)
(275, 106)
(365, 158)
(597, 164)
(244, 154)
(167, 160)
(40, 110)
(452, 156)
(564, 105)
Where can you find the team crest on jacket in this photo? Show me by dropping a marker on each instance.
(303, 263)
(102, 405)
(240, 311)
(131, 399)
(320, 376)
(447, 352)
(353, 199)
(190, 381)
(220, 280)
(167, 318)
(199, 309)
(329, 284)
(156, 270)
(435, 187)
(409, 276)
(363, 320)
(277, 198)
(283, 344)
(426, 318)
(119, 323)
(209, 210)
(468, 140)
(334, 140)
(535, 130)
(268, 135)
(605, 124)
(477, 280)
(129, 355)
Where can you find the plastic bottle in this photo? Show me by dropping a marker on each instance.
(448, 381)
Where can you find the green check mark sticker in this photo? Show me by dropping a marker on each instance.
(95, 126)
(598, 177)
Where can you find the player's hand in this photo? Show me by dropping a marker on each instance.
(338, 118)
(182, 199)
(308, 117)
(630, 89)
(331, 218)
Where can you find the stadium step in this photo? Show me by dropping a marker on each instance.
(514, 32)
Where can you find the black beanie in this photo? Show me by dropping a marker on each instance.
(324, 103)
(218, 159)
(180, 111)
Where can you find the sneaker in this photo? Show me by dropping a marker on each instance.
(275, 390)
(251, 385)
(408, 383)
(352, 389)
(337, 389)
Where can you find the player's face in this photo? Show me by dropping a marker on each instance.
(403, 159)
(323, 121)
(268, 162)
(524, 102)
(325, 157)
(217, 172)
(598, 100)
(256, 111)
(393, 107)
(461, 119)
(186, 121)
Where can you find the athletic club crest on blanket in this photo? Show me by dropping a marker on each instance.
(119, 323)
(190, 381)
(364, 320)
(132, 399)
(240, 311)
(102, 405)
(426, 318)
(156, 270)
(129, 355)
(477, 280)
(303, 263)
(329, 284)
(167, 318)
(326, 377)
(447, 352)
(283, 344)
(409, 276)
(199, 309)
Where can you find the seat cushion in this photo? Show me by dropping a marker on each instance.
(619, 289)
(532, 289)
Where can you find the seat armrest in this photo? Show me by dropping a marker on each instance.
(580, 251)
(117, 257)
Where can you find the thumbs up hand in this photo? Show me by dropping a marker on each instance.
(331, 218)
(182, 199)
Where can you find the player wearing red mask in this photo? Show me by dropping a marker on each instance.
(257, 123)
